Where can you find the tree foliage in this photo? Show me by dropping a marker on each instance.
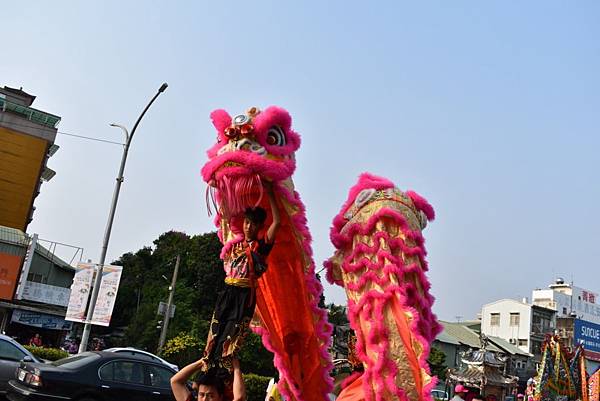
(256, 386)
(437, 363)
(145, 282)
(337, 314)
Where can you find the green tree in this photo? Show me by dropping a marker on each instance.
(199, 281)
(145, 283)
(254, 358)
(437, 363)
(337, 314)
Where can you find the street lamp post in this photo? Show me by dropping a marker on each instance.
(111, 216)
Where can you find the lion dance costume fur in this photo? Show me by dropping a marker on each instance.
(380, 261)
(251, 148)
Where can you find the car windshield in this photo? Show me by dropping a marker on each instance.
(76, 361)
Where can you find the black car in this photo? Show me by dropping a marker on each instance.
(93, 376)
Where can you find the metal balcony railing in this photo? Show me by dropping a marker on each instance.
(29, 113)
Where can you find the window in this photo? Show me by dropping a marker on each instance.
(159, 376)
(515, 319)
(10, 352)
(523, 342)
(140, 354)
(495, 319)
(37, 278)
(122, 371)
(564, 310)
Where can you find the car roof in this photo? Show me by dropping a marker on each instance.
(139, 351)
(8, 338)
(133, 351)
(19, 346)
(107, 355)
(118, 349)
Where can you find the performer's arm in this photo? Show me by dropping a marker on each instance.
(239, 389)
(272, 231)
(180, 378)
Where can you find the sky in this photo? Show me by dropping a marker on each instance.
(490, 110)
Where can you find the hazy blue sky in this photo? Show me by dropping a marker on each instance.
(488, 109)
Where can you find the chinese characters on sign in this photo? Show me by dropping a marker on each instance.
(41, 320)
(80, 292)
(588, 297)
(111, 276)
(48, 294)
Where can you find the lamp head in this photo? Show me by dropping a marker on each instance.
(163, 87)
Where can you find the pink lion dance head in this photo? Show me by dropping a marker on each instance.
(251, 146)
(252, 149)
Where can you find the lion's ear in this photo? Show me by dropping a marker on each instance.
(220, 119)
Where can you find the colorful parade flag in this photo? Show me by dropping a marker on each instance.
(594, 386)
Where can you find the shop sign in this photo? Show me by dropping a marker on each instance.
(41, 320)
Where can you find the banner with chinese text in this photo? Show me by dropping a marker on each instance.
(80, 292)
(111, 276)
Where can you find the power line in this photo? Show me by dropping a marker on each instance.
(91, 139)
(63, 133)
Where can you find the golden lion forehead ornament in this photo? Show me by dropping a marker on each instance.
(241, 124)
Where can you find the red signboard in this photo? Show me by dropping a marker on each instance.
(9, 271)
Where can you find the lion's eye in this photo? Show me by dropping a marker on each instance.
(275, 136)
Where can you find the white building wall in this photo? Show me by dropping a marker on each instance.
(564, 299)
(504, 329)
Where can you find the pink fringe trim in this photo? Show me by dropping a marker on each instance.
(323, 329)
(375, 264)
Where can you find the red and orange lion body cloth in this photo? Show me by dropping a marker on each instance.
(379, 260)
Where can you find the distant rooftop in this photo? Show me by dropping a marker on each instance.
(17, 101)
(13, 236)
(463, 335)
(26, 97)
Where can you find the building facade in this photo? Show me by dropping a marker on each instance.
(34, 283)
(39, 301)
(26, 142)
(578, 317)
(521, 324)
(568, 300)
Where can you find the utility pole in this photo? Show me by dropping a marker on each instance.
(165, 326)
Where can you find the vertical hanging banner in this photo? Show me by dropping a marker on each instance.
(107, 295)
(80, 292)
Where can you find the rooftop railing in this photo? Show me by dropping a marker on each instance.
(29, 113)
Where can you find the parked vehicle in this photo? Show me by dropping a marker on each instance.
(148, 355)
(439, 395)
(93, 376)
(11, 355)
